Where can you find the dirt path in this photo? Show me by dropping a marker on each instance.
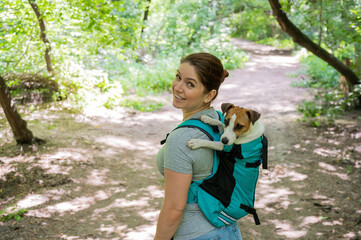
(96, 177)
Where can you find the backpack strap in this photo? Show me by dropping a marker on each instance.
(211, 131)
(164, 140)
(194, 123)
(254, 164)
(213, 134)
(264, 155)
(251, 211)
(197, 123)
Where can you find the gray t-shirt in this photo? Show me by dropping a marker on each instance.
(176, 156)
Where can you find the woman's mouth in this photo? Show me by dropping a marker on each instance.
(178, 97)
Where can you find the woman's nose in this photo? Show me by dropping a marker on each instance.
(177, 85)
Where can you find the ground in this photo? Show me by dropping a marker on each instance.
(96, 176)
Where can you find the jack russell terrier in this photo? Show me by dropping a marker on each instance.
(240, 126)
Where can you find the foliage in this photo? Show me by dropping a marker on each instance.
(328, 104)
(104, 49)
(182, 27)
(12, 212)
(336, 26)
(252, 20)
(319, 73)
(329, 101)
(100, 47)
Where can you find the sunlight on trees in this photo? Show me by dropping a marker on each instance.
(108, 49)
(96, 44)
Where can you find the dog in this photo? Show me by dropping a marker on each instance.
(240, 126)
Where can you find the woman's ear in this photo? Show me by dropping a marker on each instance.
(210, 96)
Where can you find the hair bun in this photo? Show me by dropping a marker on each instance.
(225, 74)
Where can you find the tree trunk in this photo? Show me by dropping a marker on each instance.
(43, 36)
(145, 16)
(301, 39)
(22, 134)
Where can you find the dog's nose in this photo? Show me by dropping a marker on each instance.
(225, 140)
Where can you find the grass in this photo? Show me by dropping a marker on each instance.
(11, 212)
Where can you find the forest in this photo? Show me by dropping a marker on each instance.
(85, 94)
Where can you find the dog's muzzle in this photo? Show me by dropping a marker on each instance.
(225, 140)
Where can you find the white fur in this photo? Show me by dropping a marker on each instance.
(212, 122)
(228, 131)
(255, 131)
(198, 143)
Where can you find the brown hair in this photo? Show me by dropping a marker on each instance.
(208, 68)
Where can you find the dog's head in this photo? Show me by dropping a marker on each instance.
(237, 121)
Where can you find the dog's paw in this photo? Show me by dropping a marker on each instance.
(206, 119)
(193, 144)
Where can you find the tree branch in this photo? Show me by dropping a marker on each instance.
(301, 39)
(43, 36)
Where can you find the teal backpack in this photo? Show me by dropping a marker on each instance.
(228, 194)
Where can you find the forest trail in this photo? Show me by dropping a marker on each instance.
(96, 177)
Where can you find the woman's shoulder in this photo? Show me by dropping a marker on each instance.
(209, 112)
(183, 134)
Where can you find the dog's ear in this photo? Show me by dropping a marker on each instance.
(226, 106)
(253, 115)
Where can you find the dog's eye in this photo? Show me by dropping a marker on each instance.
(226, 122)
(238, 126)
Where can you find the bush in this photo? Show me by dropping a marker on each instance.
(319, 73)
(329, 102)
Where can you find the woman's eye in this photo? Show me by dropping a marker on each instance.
(190, 84)
(177, 76)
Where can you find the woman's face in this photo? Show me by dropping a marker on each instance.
(188, 91)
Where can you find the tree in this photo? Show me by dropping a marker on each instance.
(43, 36)
(301, 39)
(21, 133)
(146, 13)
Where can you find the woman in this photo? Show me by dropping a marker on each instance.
(194, 88)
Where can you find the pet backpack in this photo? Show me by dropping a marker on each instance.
(228, 194)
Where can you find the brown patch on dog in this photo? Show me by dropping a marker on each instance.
(244, 118)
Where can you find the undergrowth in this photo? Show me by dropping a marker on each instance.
(112, 78)
(329, 101)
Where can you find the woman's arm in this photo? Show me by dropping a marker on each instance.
(175, 200)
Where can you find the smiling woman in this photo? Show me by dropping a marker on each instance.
(197, 82)
(194, 87)
(188, 91)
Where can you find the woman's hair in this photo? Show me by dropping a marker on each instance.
(208, 68)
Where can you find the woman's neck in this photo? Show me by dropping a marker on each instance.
(188, 114)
